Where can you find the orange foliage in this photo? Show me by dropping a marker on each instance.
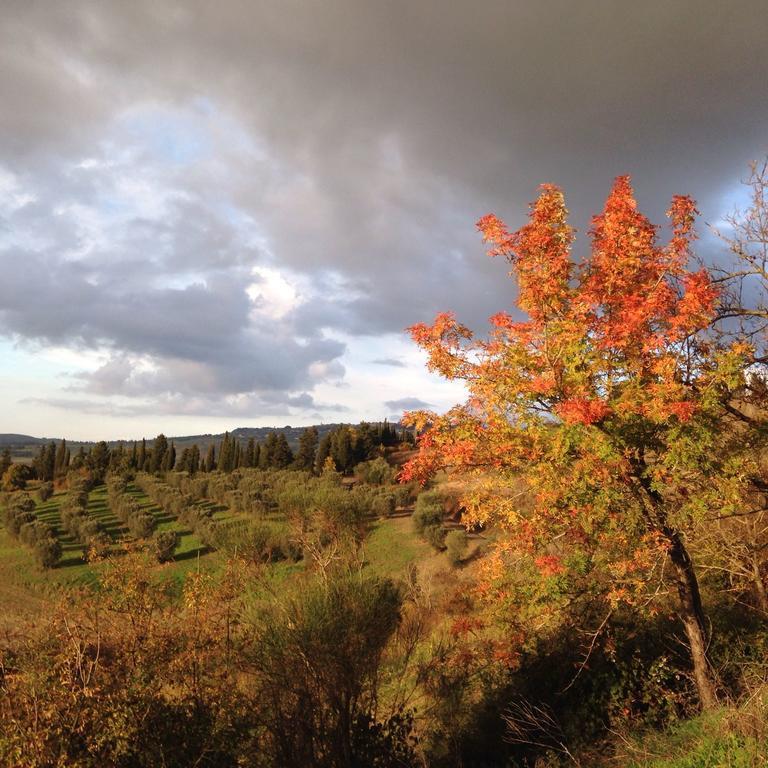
(601, 363)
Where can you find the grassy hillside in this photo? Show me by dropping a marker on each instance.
(390, 548)
(449, 662)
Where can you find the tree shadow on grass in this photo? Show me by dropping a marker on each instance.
(192, 554)
(68, 562)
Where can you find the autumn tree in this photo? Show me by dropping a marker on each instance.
(597, 428)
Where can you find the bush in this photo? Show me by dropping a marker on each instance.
(383, 505)
(88, 528)
(428, 512)
(72, 519)
(456, 544)
(18, 513)
(31, 532)
(165, 543)
(47, 551)
(291, 549)
(404, 494)
(318, 658)
(45, 491)
(206, 532)
(98, 546)
(376, 472)
(15, 477)
(434, 535)
(141, 525)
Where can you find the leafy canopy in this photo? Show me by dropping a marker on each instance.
(601, 388)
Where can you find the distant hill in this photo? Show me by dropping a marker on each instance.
(25, 446)
(13, 440)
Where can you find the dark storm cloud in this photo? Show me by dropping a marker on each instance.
(352, 143)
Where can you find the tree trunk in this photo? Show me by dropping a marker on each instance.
(762, 597)
(692, 615)
(691, 609)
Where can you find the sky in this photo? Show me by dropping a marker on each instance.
(226, 214)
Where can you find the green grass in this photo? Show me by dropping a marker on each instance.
(21, 580)
(723, 739)
(18, 570)
(392, 546)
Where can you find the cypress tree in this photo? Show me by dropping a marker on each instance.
(59, 467)
(50, 462)
(283, 455)
(226, 454)
(266, 458)
(159, 450)
(323, 452)
(79, 461)
(169, 459)
(5, 461)
(250, 453)
(305, 456)
(194, 460)
(142, 458)
(341, 449)
(363, 445)
(238, 455)
(117, 459)
(38, 463)
(98, 460)
(210, 459)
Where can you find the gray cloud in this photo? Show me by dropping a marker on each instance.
(159, 152)
(391, 361)
(246, 407)
(408, 404)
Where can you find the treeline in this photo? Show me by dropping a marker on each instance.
(345, 446)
